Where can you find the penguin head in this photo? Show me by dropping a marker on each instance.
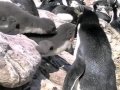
(58, 43)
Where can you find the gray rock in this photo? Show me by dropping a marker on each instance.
(19, 60)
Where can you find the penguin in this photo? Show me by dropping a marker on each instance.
(64, 12)
(115, 21)
(27, 5)
(26, 22)
(93, 68)
(59, 42)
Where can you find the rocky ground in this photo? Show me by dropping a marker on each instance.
(114, 39)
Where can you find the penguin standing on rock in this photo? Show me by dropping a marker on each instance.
(93, 68)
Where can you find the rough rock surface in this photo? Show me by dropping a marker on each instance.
(52, 16)
(18, 60)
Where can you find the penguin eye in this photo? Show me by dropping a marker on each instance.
(17, 26)
(51, 48)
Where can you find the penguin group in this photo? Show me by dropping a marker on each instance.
(54, 24)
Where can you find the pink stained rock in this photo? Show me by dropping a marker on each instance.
(19, 60)
(46, 14)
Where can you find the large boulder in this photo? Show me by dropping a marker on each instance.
(19, 60)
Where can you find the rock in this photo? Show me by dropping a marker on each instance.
(55, 68)
(57, 20)
(18, 60)
(47, 85)
(58, 77)
(40, 82)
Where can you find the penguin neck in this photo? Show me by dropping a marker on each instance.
(114, 13)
